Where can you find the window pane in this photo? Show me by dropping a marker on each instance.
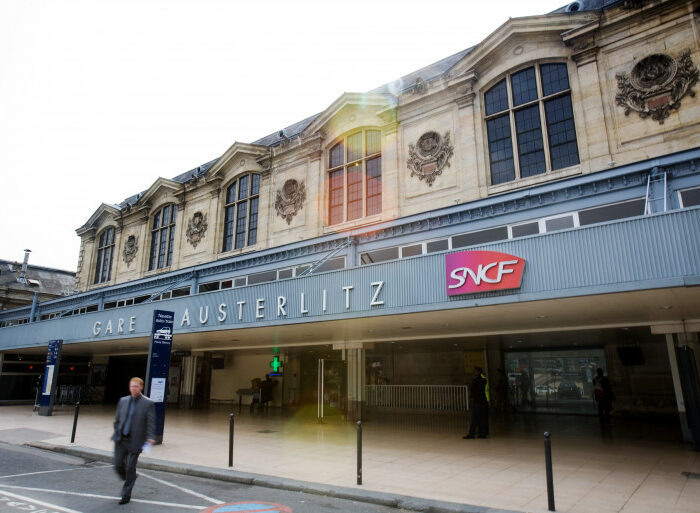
(530, 145)
(524, 86)
(284, 273)
(154, 251)
(253, 223)
(355, 147)
(231, 193)
(255, 185)
(243, 187)
(263, 277)
(611, 212)
(496, 98)
(380, 255)
(436, 245)
(240, 282)
(156, 220)
(554, 78)
(228, 227)
(374, 142)
(241, 215)
(500, 150)
(559, 223)
(171, 245)
(98, 266)
(354, 192)
(337, 155)
(409, 251)
(374, 186)
(525, 229)
(165, 219)
(562, 133)
(332, 265)
(174, 212)
(690, 197)
(161, 247)
(335, 194)
(480, 237)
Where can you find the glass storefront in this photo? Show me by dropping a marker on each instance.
(553, 380)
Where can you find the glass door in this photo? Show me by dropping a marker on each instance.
(332, 388)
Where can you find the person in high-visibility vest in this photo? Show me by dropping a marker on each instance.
(479, 400)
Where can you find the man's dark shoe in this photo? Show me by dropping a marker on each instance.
(124, 500)
(467, 437)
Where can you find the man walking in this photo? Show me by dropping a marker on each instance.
(603, 395)
(134, 426)
(479, 392)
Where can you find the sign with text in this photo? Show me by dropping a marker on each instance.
(48, 390)
(159, 365)
(469, 272)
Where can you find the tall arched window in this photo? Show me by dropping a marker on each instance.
(105, 252)
(355, 177)
(535, 105)
(162, 236)
(241, 212)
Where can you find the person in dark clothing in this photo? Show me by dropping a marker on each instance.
(604, 397)
(479, 399)
(134, 426)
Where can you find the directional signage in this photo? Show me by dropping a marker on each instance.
(248, 507)
(159, 365)
(48, 390)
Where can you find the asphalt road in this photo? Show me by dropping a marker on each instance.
(45, 482)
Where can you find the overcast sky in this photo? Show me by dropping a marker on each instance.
(99, 98)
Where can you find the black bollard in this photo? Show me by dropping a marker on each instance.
(75, 421)
(548, 465)
(230, 441)
(359, 452)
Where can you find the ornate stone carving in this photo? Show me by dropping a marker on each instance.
(430, 154)
(656, 85)
(131, 247)
(290, 199)
(196, 228)
(419, 86)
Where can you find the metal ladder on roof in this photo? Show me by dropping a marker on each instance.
(656, 192)
(327, 257)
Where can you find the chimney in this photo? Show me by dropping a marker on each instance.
(23, 274)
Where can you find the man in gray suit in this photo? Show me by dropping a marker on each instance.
(134, 426)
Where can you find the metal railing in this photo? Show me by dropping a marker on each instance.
(418, 397)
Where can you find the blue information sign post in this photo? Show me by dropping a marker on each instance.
(159, 365)
(48, 389)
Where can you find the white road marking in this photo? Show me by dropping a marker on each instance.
(182, 488)
(40, 503)
(51, 471)
(95, 496)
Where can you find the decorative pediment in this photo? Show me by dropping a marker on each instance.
(507, 37)
(160, 186)
(239, 156)
(102, 215)
(375, 102)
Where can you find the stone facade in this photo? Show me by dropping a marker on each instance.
(596, 46)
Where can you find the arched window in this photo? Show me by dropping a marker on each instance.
(162, 236)
(105, 252)
(241, 212)
(535, 105)
(355, 177)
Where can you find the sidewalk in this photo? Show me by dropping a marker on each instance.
(631, 469)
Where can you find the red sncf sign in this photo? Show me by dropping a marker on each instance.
(480, 271)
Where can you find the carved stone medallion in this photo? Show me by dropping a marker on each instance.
(290, 199)
(131, 247)
(656, 85)
(428, 157)
(196, 228)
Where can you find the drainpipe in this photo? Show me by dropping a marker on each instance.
(35, 303)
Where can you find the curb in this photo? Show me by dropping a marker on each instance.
(232, 476)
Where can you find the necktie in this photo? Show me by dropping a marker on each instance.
(127, 425)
